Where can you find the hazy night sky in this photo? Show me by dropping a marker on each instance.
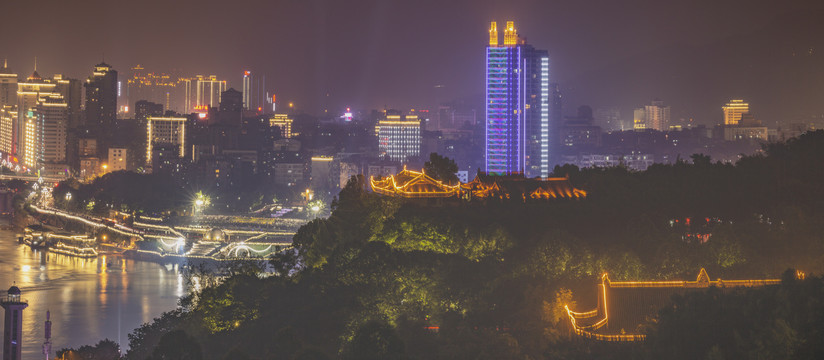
(694, 55)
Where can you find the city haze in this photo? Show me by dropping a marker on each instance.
(375, 54)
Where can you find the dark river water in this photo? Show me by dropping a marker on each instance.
(89, 300)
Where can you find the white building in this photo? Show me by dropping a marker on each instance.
(399, 138)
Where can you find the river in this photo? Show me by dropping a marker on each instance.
(89, 299)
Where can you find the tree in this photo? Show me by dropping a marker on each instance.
(376, 340)
(177, 345)
(441, 168)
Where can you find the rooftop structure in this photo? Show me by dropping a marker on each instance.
(517, 186)
(413, 184)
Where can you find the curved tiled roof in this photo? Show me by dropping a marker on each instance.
(413, 184)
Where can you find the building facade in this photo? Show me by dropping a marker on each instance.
(163, 130)
(101, 98)
(733, 111)
(399, 138)
(202, 91)
(517, 106)
(283, 122)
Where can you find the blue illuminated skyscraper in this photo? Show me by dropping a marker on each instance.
(517, 106)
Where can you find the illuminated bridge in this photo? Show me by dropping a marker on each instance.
(623, 306)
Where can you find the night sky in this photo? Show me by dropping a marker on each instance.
(694, 55)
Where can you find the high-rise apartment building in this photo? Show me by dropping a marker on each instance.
(657, 115)
(202, 91)
(53, 117)
(399, 138)
(284, 123)
(29, 93)
(101, 99)
(8, 86)
(517, 106)
(8, 116)
(733, 111)
(165, 131)
(247, 90)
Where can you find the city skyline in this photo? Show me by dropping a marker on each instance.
(603, 55)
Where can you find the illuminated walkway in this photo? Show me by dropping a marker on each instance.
(623, 306)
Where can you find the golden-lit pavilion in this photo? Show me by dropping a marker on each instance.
(413, 184)
(517, 186)
(416, 184)
(623, 306)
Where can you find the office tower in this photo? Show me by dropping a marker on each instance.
(517, 106)
(8, 86)
(165, 131)
(202, 91)
(13, 324)
(657, 115)
(247, 90)
(733, 111)
(101, 99)
(399, 138)
(52, 118)
(284, 123)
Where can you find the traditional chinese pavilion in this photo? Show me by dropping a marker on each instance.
(413, 184)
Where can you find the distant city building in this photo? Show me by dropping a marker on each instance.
(87, 147)
(32, 141)
(284, 123)
(53, 117)
(117, 159)
(639, 121)
(29, 93)
(8, 86)
(321, 168)
(143, 109)
(247, 90)
(579, 133)
(8, 116)
(89, 167)
(609, 119)
(155, 87)
(163, 130)
(101, 98)
(655, 116)
(632, 161)
(202, 91)
(517, 106)
(733, 111)
(399, 138)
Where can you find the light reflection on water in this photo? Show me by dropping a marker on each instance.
(89, 299)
